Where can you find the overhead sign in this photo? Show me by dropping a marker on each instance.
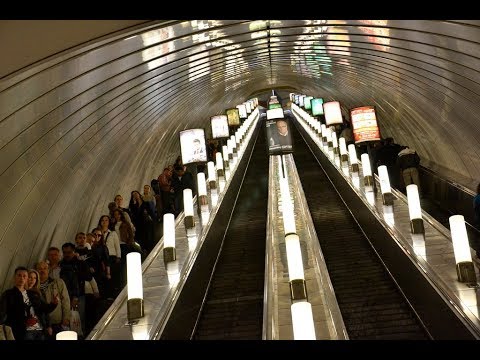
(364, 124)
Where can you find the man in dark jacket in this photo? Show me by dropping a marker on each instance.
(24, 310)
(408, 161)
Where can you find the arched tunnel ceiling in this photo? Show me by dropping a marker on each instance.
(85, 125)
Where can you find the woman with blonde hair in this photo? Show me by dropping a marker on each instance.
(33, 282)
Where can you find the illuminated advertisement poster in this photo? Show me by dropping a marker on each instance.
(242, 110)
(275, 113)
(296, 99)
(291, 96)
(219, 126)
(364, 124)
(233, 117)
(192, 146)
(307, 102)
(279, 137)
(301, 98)
(317, 106)
(248, 106)
(274, 105)
(333, 114)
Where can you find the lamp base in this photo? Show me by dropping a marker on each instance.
(387, 198)
(135, 309)
(189, 222)
(466, 272)
(225, 165)
(212, 184)
(298, 289)
(368, 180)
(220, 172)
(169, 254)
(355, 168)
(336, 151)
(416, 226)
(330, 145)
(344, 158)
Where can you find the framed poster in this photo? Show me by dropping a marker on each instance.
(364, 124)
(307, 104)
(219, 126)
(242, 110)
(192, 145)
(233, 117)
(317, 106)
(333, 113)
(279, 137)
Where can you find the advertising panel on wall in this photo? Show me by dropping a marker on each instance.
(248, 107)
(364, 124)
(219, 126)
(192, 146)
(301, 98)
(279, 137)
(242, 110)
(307, 104)
(333, 113)
(317, 106)
(233, 117)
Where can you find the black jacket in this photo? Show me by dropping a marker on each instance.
(13, 311)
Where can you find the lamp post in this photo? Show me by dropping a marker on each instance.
(302, 321)
(169, 252)
(461, 249)
(352, 154)
(202, 193)
(189, 219)
(212, 177)
(219, 161)
(135, 307)
(367, 170)
(415, 210)
(387, 195)
(343, 150)
(67, 335)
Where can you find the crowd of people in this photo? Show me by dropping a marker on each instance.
(74, 285)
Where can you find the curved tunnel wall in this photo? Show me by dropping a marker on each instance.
(104, 119)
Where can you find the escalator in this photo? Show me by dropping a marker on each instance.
(370, 302)
(234, 304)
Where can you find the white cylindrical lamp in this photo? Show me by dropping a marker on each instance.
(212, 176)
(135, 307)
(189, 219)
(219, 163)
(202, 199)
(461, 249)
(298, 288)
(67, 335)
(225, 156)
(415, 210)
(324, 134)
(352, 155)
(335, 143)
(169, 252)
(343, 150)
(387, 195)
(367, 170)
(302, 321)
